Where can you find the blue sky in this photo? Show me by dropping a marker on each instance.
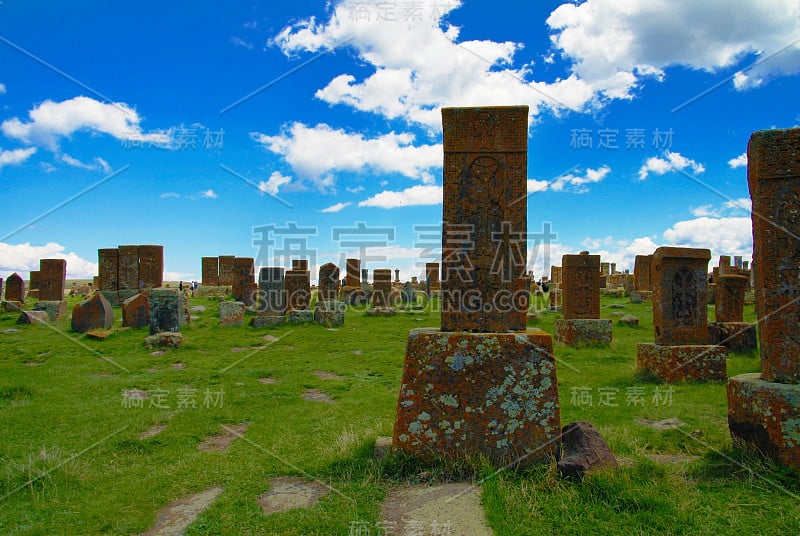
(270, 129)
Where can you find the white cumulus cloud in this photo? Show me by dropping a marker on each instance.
(415, 195)
(98, 163)
(724, 236)
(22, 258)
(739, 161)
(274, 183)
(15, 156)
(670, 162)
(578, 183)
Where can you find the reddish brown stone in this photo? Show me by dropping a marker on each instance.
(328, 282)
(773, 175)
(605, 269)
(244, 273)
(580, 285)
(577, 333)
(298, 290)
(231, 313)
(226, 270)
(15, 288)
(300, 265)
(556, 274)
(151, 266)
(584, 450)
(108, 268)
(683, 363)
(52, 279)
(491, 394)
(94, 313)
(136, 312)
(55, 309)
(381, 288)
(34, 279)
(555, 298)
(765, 416)
(250, 297)
(729, 298)
(353, 273)
(129, 267)
(210, 266)
(680, 279)
(735, 336)
(484, 231)
(641, 272)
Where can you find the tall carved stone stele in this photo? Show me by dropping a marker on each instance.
(729, 328)
(580, 287)
(764, 409)
(483, 385)
(680, 323)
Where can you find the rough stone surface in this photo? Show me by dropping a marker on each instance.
(381, 288)
(33, 317)
(210, 271)
(353, 273)
(580, 284)
(408, 294)
(108, 268)
(94, 313)
(629, 320)
(56, 310)
(174, 519)
(244, 269)
(432, 275)
(52, 279)
(289, 493)
(15, 288)
(167, 310)
(641, 272)
(272, 291)
(735, 336)
(683, 362)
(583, 332)
(484, 228)
(381, 311)
(680, 277)
(729, 298)
(266, 320)
(555, 296)
(449, 509)
(298, 290)
(494, 394)
(165, 339)
(226, 270)
(773, 175)
(151, 266)
(328, 282)
(329, 313)
(584, 450)
(231, 313)
(300, 317)
(136, 312)
(128, 267)
(765, 416)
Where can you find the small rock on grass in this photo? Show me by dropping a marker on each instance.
(584, 450)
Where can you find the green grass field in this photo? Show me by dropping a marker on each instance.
(72, 461)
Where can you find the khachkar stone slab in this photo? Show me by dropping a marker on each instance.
(328, 282)
(329, 313)
(210, 273)
(580, 290)
(231, 313)
(686, 362)
(108, 268)
(641, 272)
(556, 274)
(555, 297)
(244, 270)
(580, 332)
(129, 267)
(300, 265)
(680, 277)
(432, 275)
(94, 313)
(764, 410)
(15, 288)
(735, 336)
(484, 228)
(605, 269)
(151, 266)
(55, 309)
(52, 279)
(226, 270)
(167, 310)
(471, 394)
(34, 279)
(298, 290)
(136, 312)
(271, 291)
(381, 294)
(300, 316)
(729, 329)
(353, 273)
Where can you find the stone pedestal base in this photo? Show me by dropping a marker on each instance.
(300, 316)
(329, 314)
(693, 363)
(735, 336)
(471, 394)
(209, 290)
(354, 296)
(231, 314)
(56, 310)
(12, 306)
(765, 416)
(116, 297)
(263, 321)
(381, 311)
(583, 332)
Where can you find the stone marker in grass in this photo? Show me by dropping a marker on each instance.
(729, 328)
(580, 285)
(764, 409)
(483, 384)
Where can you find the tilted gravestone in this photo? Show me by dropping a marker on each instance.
(15, 288)
(136, 311)
(94, 313)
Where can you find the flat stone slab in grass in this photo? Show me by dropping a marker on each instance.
(289, 493)
(178, 366)
(99, 334)
(270, 338)
(11, 330)
(222, 442)
(158, 352)
(153, 431)
(665, 424)
(315, 395)
(176, 518)
(268, 381)
(327, 375)
(452, 509)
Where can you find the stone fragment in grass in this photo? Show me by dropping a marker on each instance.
(584, 450)
(289, 493)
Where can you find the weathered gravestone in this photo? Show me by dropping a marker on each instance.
(151, 266)
(300, 265)
(764, 409)
(33, 284)
(226, 270)
(329, 311)
(483, 384)
(432, 275)
(271, 297)
(108, 269)
(15, 288)
(52, 279)
(94, 313)
(210, 271)
(556, 274)
(298, 295)
(555, 298)
(244, 269)
(729, 328)
(231, 313)
(581, 325)
(381, 294)
(136, 311)
(128, 268)
(353, 273)
(408, 294)
(167, 310)
(55, 309)
(681, 351)
(641, 276)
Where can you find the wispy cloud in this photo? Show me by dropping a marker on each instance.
(337, 207)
